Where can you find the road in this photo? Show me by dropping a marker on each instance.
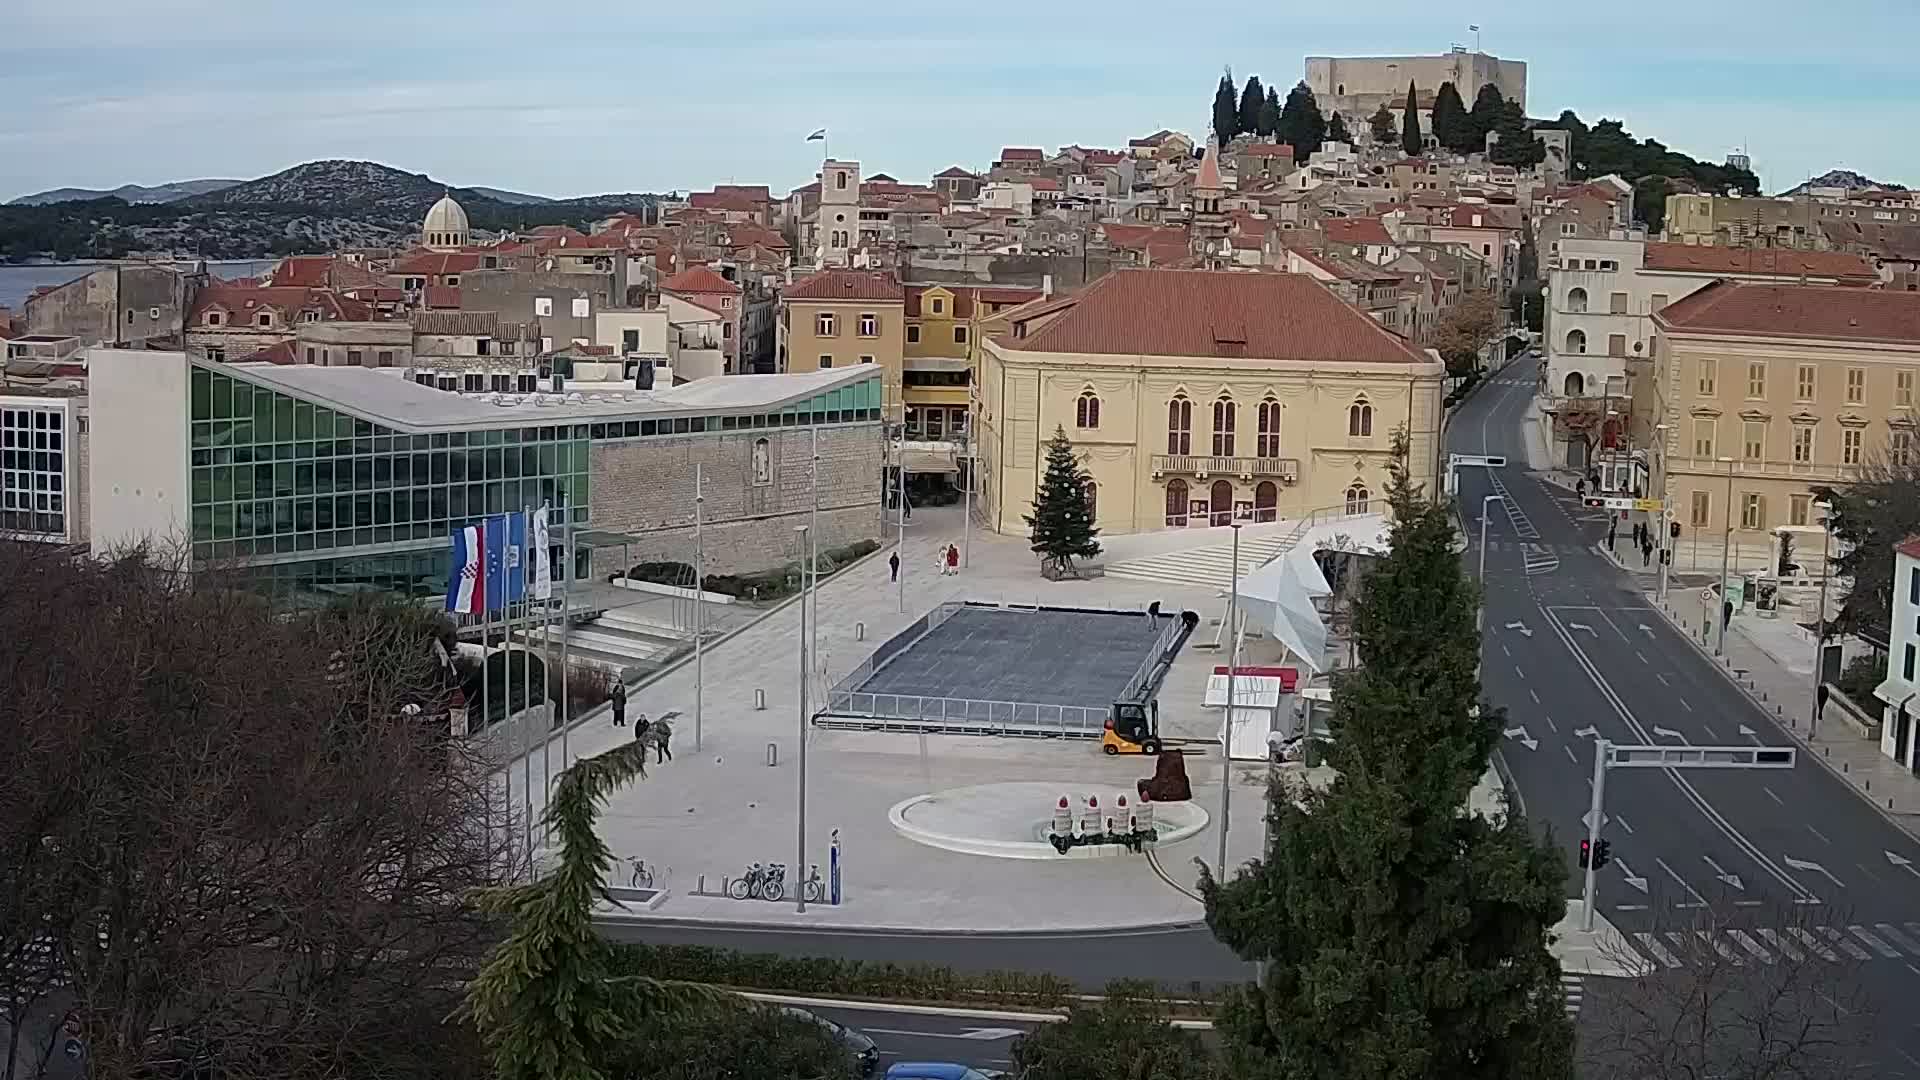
(981, 1043)
(1573, 652)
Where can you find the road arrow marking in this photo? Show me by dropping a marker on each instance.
(1582, 626)
(1647, 629)
(1668, 733)
(1748, 732)
(1526, 740)
(1636, 882)
(1520, 626)
(1801, 864)
(1586, 732)
(1903, 863)
(1726, 878)
(1587, 820)
(975, 1034)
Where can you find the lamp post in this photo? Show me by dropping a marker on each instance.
(800, 856)
(1480, 614)
(1726, 559)
(1659, 458)
(1226, 732)
(1825, 510)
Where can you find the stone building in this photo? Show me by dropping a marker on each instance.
(124, 306)
(1356, 86)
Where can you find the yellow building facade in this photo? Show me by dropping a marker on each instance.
(840, 318)
(944, 327)
(1196, 398)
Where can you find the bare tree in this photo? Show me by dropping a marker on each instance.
(1717, 996)
(231, 839)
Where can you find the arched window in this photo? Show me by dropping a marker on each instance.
(1360, 419)
(1176, 502)
(1093, 501)
(1266, 501)
(1576, 341)
(1224, 414)
(1576, 384)
(1576, 299)
(1086, 411)
(1180, 426)
(1220, 504)
(1357, 496)
(1267, 445)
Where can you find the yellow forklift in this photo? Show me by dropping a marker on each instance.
(1132, 728)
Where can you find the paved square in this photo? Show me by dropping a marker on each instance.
(1050, 656)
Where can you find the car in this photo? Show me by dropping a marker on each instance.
(938, 1070)
(865, 1054)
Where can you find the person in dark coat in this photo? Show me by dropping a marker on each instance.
(619, 699)
(893, 567)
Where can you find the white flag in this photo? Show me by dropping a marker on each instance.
(542, 557)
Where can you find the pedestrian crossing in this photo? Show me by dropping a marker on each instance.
(1573, 990)
(1653, 951)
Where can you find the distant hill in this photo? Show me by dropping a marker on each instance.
(337, 184)
(1842, 178)
(515, 198)
(127, 193)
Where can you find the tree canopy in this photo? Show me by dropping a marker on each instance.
(1382, 125)
(1337, 130)
(1253, 97)
(1869, 516)
(1226, 109)
(1270, 112)
(1403, 936)
(1654, 169)
(1124, 1036)
(1450, 124)
(1411, 140)
(1061, 525)
(1301, 125)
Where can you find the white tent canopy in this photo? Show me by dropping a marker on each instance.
(1278, 597)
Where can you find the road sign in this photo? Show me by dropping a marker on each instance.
(1700, 757)
(1491, 461)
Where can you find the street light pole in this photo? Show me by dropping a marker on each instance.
(1480, 614)
(812, 556)
(1825, 510)
(1658, 456)
(699, 605)
(800, 856)
(1725, 614)
(1226, 731)
(900, 463)
(1595, 817)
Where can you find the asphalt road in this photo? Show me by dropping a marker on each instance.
(983, 1044)
(1573, 652)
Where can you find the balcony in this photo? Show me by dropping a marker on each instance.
(1286, 470)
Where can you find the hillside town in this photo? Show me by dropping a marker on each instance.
(1125, 374)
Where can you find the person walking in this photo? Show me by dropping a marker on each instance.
(619, 699)
(893, 567)
(1646, 551)
(953, 559)
(1611, 526)
(1580, 487)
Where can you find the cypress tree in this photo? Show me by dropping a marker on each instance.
(1252, 97)
(1487, 107)
(1450, 120)
(1410, 139)
(1337, 130)
(1061, 526)
(1270, 113)
(1226, 110)
(1403, 937)
(1301, 125)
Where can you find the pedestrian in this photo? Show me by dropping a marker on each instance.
(619, 699)
(909, 509)
(1646, 552)
(1610, 529)
(1580, 487)
(953, 559)
(1726, 614)
(893, 566)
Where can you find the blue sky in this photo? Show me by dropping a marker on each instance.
(598, 95)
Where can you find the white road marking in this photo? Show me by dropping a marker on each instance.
(1819, 834)
(1786, 947)
(1551, 726)
(1813, 944)
(1623, 823)
(1839, 939)
(1771, 795)
(1659, 952)
(1683, 704)
(1571, 758)
(1662, 677)
(1506, 650)
(1877, 945)
(1718, 946)
(1517, 671)
(1891, 933)
(1641, 655)
(1698, 900)
(1746, 942)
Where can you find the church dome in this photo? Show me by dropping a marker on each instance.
(445, 225)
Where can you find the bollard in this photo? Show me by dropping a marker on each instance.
(773, 755)
(760, 700)
(1869, 785)
(700, 887)
(860, 631)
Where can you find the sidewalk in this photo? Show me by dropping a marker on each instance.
(1760, 659)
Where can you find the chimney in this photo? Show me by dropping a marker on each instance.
(1046, 286)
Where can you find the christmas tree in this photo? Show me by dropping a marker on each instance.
(1061, 525)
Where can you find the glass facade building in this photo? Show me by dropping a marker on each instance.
(306, 499)
(33, 469)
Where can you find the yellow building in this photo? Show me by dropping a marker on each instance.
(1195, 397)
(1766, 390)
(839, 318)
(945, 325)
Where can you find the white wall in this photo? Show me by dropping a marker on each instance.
(1903, 634)
(609, 323)
(138, 412)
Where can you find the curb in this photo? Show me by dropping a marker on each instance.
(1898, 821)
(861, 1005)
(1109, 930)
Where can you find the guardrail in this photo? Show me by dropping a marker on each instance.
(959, 716)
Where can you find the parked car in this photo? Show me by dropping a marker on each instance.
(865, 1054)
(939, 1070)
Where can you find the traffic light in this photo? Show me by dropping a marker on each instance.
(1594, 502)
(1600, 854)
(1586, 852)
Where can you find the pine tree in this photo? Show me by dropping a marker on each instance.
(1061, 525)
(1487, 106)
(1402, 936)
(1337, 130)
(1450, 120)
(1381, 122)
(1301, 125)
(1410, 139)
(1252, 97)
(1516, 145)
(1226, 110)
(1270, 113)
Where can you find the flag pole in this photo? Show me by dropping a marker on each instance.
(699, 605)
(566, 626)
(526, 733)
(546, 669)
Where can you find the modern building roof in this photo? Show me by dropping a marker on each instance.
(386, 397)
(1779, 262)
(1791, 310)
(1225, 314)
(846, 285)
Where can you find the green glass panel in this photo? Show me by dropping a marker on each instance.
(263, 417)
(202, 393)
(202, 490)
(323, 421)
(222, 396)
(342, 426)
(220, 519)
(303, 420)
(202, 433)
(222, 483)
(241, 481)
(283, 426)
(243, 395)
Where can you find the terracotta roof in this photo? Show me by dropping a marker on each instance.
(1022, 153)
(305, 271)
(1267, 149)
(757, 192)
(280, 352)
(1042, 183)
(241, 301)
(434, 263)
(457, 323)
(699, 279)
(1365, 230)
(722, 200)
(1792, 310)
(1209, 178)
(442, 296)
(1881, 239)
(1782, 262)
(1287, 317)
(846, 285)
(1910, 547)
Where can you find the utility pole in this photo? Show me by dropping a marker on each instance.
(1226, 732)
(1825, 510)
(900, 463)
(699, 595)
(800, 815)
(1725, 614)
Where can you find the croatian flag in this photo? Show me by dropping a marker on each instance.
(467, 585)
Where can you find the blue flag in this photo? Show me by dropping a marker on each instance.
(517, 562)
(495, 546)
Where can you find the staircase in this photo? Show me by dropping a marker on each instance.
(1211, 565)
(621, 639)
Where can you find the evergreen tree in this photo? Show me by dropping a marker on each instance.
(1270, 113)
(1252, 97)
(1226, 110)
(1450, 125)
(1516, 145)
(1410, 139)
(1061, 526)
(1487, 106)
(1301, 125)
(1381, 122)
(1403, 937)
(1337, 130)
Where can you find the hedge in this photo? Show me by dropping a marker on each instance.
(771, 584)
(829, 977)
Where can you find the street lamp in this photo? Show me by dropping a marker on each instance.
(1480, 613)
(1726, 558)
(1226, 734)
(800, 858)
(1825, 511)
(1658, 454)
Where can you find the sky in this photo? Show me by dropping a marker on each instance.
(593, 96)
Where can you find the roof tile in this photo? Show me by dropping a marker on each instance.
(846, 285)
(1792, 310)
(1784, 262)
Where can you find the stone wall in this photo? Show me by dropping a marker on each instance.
(645, 487)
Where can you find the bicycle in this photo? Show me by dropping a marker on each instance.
(773, 886)
(747, 886)
(640, 877)
(812, 889)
